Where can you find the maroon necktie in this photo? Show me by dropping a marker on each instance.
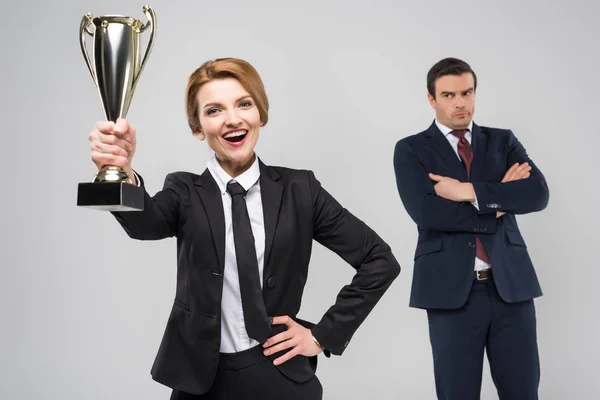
(465, 151)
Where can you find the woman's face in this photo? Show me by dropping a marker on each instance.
(230, 122)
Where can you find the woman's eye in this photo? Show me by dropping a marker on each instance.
(246, 103)
(212, 111)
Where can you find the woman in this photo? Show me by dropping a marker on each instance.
(244, 236)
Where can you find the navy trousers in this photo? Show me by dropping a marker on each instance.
(507, 333)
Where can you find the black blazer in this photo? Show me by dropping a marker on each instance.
(296, 211)
(443, 271)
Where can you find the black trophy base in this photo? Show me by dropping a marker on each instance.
(110, 196)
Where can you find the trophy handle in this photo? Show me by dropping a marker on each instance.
(152, 24)
(86, 21)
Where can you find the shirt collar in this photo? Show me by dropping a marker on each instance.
(246, 179)
(446, 131)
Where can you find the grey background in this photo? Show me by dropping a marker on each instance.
(83, 308)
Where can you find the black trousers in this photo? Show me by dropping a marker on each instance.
(251, 375)
(507, 333)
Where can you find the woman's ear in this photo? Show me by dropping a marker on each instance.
(200, 135)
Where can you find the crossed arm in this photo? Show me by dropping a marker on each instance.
(454, 190)
(441, 203)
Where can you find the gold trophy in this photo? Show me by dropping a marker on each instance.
(116, 68)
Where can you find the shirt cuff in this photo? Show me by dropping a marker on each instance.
(475, 203)
(137, 179)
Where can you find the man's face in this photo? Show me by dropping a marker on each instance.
(454, 101)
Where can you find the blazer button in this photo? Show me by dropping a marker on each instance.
(471, 244)
(271, 282)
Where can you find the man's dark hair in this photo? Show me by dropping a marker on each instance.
(447, 66)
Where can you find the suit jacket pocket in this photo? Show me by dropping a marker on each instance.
(515, 238)
(428, 246)
(181, 304)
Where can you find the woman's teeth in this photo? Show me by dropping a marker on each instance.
(235, 134)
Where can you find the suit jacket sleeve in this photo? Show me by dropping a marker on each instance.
(516, 197)
(340, 231)
(160, 216)
(425, 207)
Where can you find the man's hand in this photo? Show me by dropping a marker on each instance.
(452, 189)
(515, 173)
(296, 337)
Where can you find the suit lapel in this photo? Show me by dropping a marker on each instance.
(271, 190)
(479, 140)
(213, 205)
(442, 147)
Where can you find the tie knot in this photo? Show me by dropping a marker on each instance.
(460, 133)
(235, 189)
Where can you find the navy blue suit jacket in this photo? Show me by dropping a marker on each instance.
(443, 269)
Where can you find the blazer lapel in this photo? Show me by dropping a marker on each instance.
(271, 190)
(479, 140)
(213, 205)
(442, 147)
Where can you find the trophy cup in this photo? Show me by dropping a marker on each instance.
(116, 68)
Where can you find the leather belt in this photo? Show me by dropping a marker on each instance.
(483, 275)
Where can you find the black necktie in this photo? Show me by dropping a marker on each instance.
(255, 313)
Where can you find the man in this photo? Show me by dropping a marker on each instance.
(463, 184)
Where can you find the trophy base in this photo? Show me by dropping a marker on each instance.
(110, 196)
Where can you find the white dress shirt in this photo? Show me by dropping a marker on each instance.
(453, 140)
(234, 337)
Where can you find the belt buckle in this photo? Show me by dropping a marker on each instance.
(480, 277)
